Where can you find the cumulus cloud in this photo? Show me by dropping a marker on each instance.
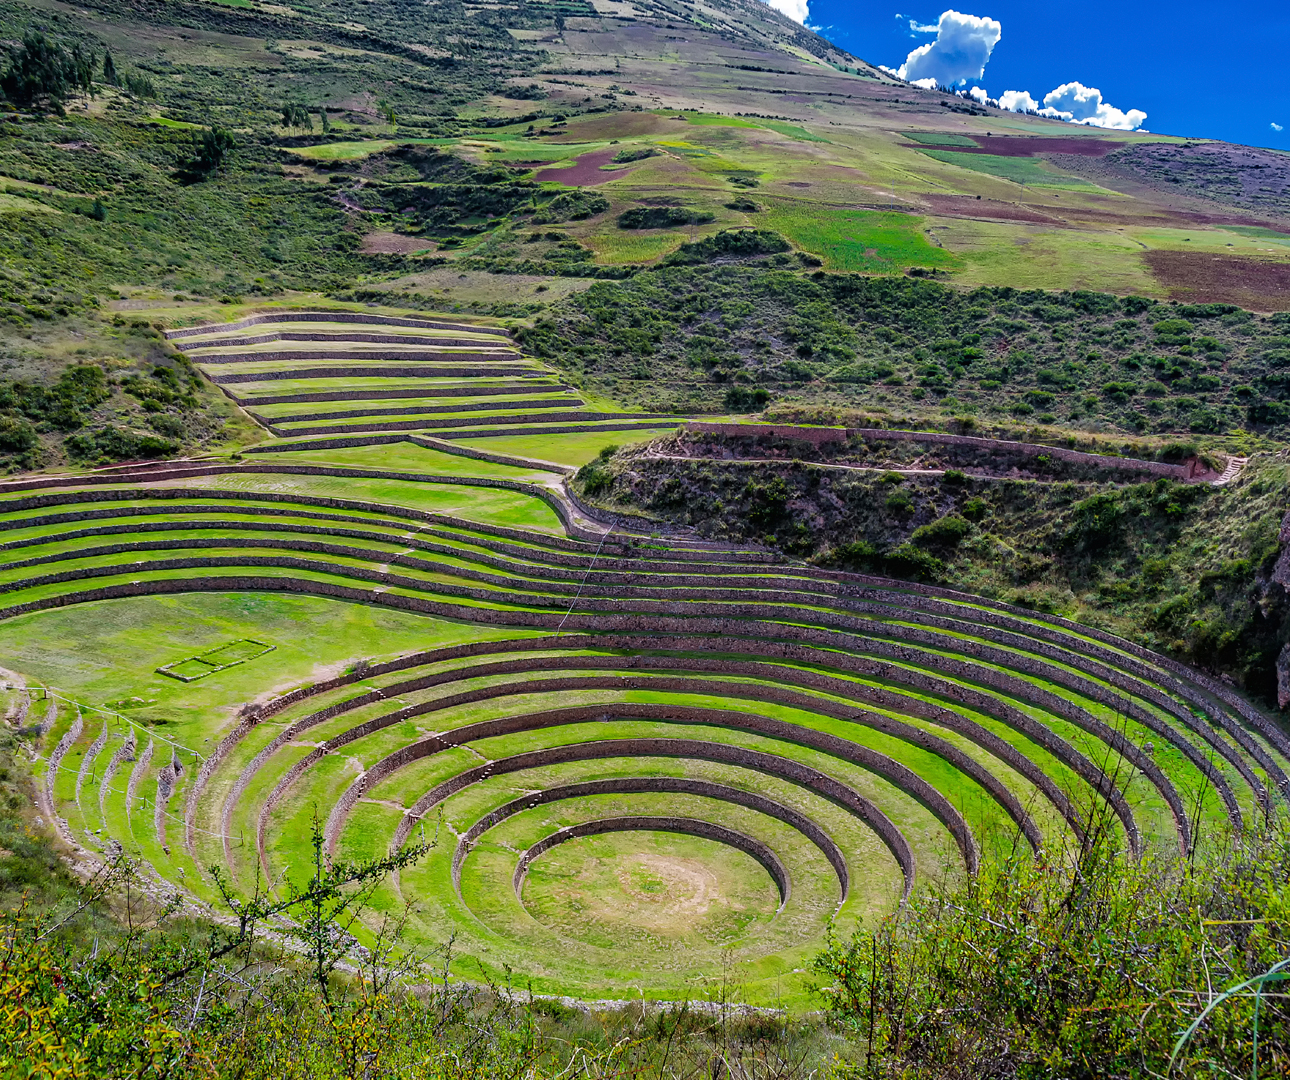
(1277, 127)
(960, 52)
(1082, 104)
(1017, 101)
(977, 93)
(794, 9)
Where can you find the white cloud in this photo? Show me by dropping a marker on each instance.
(960, 52)
(1017, 101)
(930, 28)
(794, 9)
(976, 93)
(1277, 127)
(1082, 104)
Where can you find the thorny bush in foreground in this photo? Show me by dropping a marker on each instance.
(1037, 970)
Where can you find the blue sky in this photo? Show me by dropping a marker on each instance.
(1205, 70)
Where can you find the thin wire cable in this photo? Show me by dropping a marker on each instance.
(119, 716)
(144, 801)
(583, 582)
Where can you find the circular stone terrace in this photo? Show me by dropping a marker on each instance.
(639, 761)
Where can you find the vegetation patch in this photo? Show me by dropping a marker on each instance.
(215, 660)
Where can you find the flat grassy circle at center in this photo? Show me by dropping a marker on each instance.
(655, 890)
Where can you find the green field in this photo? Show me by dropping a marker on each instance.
(353, 570)
(427, 516)
(855, 240)
(938, 138)
(1017, 169)
(576, 449)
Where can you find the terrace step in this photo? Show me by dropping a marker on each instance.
(331, 316)
(1231, 470)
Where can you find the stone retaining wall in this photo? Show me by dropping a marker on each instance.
(1007, 684)
(136, 776)
(821, 436)
(236, 583)
(167, 777)
(525, 665)
(649, 785)
(537, 491)
(332, 316)
(423, 356)
(814, 436)
(447, 423)
(419, 372)
(784, 768)
(904, 779)
(528, 541)
(413, 410)
(565, 429)
(1033, 621)
(1139, 681)
(978, 651)
(688, 826)
(124, 752)
(446, 447)
(412, 392)
(797, 654)
(234, 341)
(87, 762)
(58, 753)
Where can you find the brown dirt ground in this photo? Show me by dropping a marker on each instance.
(388, 243)
(1026, 146)
(968, 206)
(585, 172)
(1204, 277)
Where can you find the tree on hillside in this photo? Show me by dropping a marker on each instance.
(212, 149)
(294, 115)
(109, 70)
(43, 74)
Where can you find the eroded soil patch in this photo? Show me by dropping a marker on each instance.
(1258, 284)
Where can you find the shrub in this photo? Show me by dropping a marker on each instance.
(624, 156)
(662, 217)
(975, 510)
(860, 556)
(908, 561)
(595, 477)
(571, 206)
(16, 435)
(1096, 520)
(1178, 451)
(1039, 969)
(66, 405)
(1119, 391)
(744, 399)
(946, 532)
(114, 444)
(900, 502)
(729, 244)
(1173, 331)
